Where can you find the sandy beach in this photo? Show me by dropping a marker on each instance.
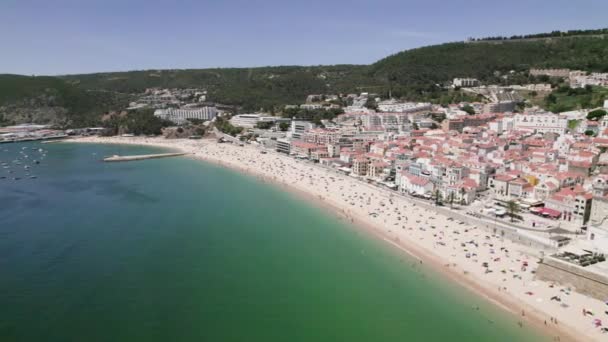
(494, 267)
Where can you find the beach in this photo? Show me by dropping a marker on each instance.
(457, 249)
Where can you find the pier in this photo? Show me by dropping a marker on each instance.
(117, 158)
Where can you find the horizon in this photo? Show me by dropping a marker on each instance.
(68, 37)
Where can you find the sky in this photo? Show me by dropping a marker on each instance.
(54, 37)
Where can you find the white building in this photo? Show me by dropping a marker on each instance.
(465, 82)
(299, 127)
(311, 106)
(541, 122)
(251, 120)
(393, 106)
(179, 116)
(284, 146)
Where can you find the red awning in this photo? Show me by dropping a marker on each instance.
(550, 212)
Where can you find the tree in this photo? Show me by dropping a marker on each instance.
(463, 192)
(551, 99)
(451, 199)
(468, 109)
(513, 208)
(438, 197)
(596, 114)
(264, 124)
(284, 126)
(589, 133)
(371, 103)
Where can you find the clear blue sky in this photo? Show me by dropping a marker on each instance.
(79, 36)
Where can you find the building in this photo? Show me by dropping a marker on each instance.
(180, 116)
(305, 149)
(573, 203)
(298, 128)
(599, 207)
(284, 146)
(565, 73)
(500, 107)
(459, 123)
(540, 122)
(465, 82)
(415, 185)
(360, 165)
(251, 120)
(311, 106)
(394, 106)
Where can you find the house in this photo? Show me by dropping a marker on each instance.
(415, 185)
(499, 184)
(574, 203)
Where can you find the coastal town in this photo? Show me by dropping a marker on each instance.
(511, 200)
(301, 171)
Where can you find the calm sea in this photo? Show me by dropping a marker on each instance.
(180, 250)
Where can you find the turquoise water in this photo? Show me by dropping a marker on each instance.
(180, 250)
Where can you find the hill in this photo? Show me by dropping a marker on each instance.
(250, 88)
(488, 61)
(417, 74)
(51, 100)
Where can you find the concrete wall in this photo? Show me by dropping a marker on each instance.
(566, 274)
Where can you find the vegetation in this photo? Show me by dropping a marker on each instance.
(284, 126)
(451, 198)
(419, 71)
(468, 109)
(138, 122)
(224, 126)
(419, 75)
(438, 197)
(314, 115)
(596, 114)
(264, 124)
(552, 34)
(564, 98)
(73, 106)
(572, 124)
(512, 209)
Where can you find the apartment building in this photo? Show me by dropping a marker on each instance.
(180, 116)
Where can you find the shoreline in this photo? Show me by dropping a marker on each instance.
(535, 316)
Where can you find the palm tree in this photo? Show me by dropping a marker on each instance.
(451, 200)
(513, 208)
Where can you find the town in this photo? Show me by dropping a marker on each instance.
(523, 169)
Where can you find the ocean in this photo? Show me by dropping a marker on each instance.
(181, 250)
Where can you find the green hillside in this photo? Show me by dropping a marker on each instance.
(488, 61)
(417, 74)
(252, 88)
(52, 100)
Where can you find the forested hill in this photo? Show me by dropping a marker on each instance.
(488, 61)
(45, 99)
(251, 88)
(413, 74)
